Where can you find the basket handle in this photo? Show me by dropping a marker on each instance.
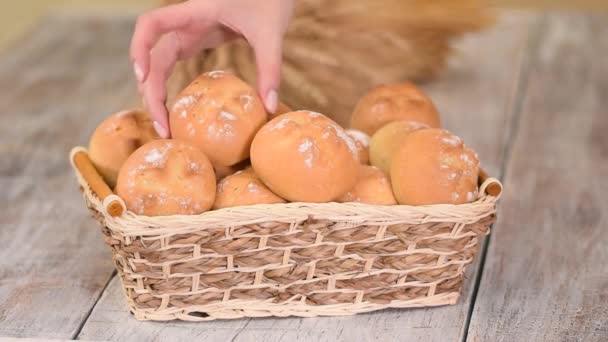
(490, 185)
(84, 165)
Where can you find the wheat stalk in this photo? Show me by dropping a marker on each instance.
(335, 50)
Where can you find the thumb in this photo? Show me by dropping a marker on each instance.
(268, 58)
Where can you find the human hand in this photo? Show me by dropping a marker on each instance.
(166, 35)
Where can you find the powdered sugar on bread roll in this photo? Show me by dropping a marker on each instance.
(305, 156)
(387, 103)
(116, 138)
(222, 171)
(433, 166)
(372, 187)
(362, 142)
(167, 177)
(387, 140)
(243, 188)
(220, 114)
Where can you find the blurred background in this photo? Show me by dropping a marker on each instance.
(17, 16)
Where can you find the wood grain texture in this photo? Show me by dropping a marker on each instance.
(56, 86)
(111, 321)
(546, 275)
(474, 96)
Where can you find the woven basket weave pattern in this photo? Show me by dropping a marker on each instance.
(292, 259)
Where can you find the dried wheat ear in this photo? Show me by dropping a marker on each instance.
(336, 50)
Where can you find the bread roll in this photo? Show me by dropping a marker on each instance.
(116, 138)
(281, 109)
(304, 156)
(386, 103)
(243, 188)
(167, 177)
(362, 143)
(387, 139)
(372, 187)
(433, 166)
(222, 171)
(220, 114)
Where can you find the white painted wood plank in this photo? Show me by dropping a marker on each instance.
(546, 275)
(55, 87)
(111, 321)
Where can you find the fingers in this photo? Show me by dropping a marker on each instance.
(267, 43)
(148, 30)
(268, 57)
(162, 60)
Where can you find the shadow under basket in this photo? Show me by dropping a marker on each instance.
(293, 259)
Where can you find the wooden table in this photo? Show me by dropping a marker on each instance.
(530, 95)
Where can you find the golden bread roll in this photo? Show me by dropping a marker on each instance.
(222, 171)
(386, 103)
(373, 187)
(387, 140)
(433, 166)
(304, 156)
(243, 188)
(167, 177)
(362, 142)
(220, 114)
(116, 138)
(281, 109)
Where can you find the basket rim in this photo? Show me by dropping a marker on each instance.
(291, 212)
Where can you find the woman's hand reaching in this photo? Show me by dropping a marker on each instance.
(166, 35)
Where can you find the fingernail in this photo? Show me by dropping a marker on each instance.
(138, 72)
(162, 131)
(272, 99)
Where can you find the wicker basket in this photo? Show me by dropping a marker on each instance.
(295, 259)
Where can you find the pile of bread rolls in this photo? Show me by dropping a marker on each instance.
(227, 151)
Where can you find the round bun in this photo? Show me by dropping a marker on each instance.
(373, 187)
(386, 103)
(281, 109)
(243, 188)
(116, 138)
(222, 171)
(433, 166)
(387, 140)
(220, 114)
(167, 177)
(304, 156)
(362, 143)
